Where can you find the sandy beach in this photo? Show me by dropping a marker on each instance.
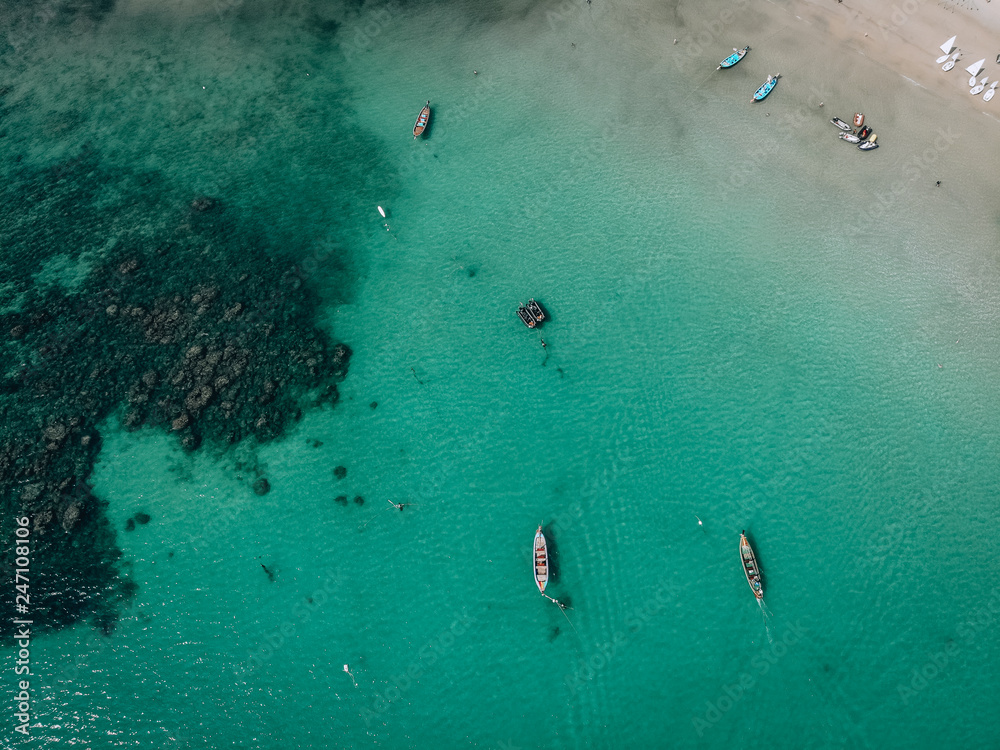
(906, 37)
(902, 37)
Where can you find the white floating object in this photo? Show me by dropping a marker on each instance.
(989, 93)
(381, 211)
(947, 46)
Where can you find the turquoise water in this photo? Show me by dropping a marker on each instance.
(727, 343)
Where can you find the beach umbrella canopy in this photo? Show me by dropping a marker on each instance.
(976, 67)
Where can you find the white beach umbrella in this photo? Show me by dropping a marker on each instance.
(974, 69)
(946, 48)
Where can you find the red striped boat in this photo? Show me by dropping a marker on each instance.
(421, 124)
(541, 561)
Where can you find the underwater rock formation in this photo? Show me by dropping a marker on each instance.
(197, 329)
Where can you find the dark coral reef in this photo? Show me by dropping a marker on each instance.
(180, 320)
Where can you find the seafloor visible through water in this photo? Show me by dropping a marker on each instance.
(224, 372)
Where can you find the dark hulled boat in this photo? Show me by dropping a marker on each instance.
(524, 315)
(750, 567)
(535, 310)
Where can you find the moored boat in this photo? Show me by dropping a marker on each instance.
(840, 123)
(541, 558)
(535, 310)
(850, 137)
(525, 315)
(738, 54)
(421, 124)
(990, 91)
(859, 119)
(870, 144)
(750, 567)
(766, 87)
(865, 132)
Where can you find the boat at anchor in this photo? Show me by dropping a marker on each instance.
(766, 87)
(840, 124)
(738, 54)
(750, 567)
(535, 310)
(422, 119)
(541, 561)
(870, 144)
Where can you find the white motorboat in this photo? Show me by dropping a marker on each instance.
(870, 144)
(850, 137)
(990, 91)
(840, 123)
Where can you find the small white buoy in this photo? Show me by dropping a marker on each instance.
(381, 211)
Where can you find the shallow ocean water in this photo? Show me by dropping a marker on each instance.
(739, 335)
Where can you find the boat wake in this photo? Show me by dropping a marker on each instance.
(765, 614)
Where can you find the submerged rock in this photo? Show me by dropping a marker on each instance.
(142, 518)
(261, 486)
(340, 472)
(189, 323)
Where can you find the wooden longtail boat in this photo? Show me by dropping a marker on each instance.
(541, 561)
(738, 54)
(750, 566)
(765, 88)
(421, 124)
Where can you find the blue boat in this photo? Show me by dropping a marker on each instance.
(766, 88)
(733, 58)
